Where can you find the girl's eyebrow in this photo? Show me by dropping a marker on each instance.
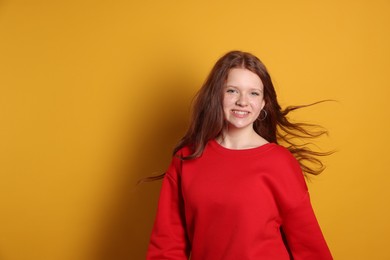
(234, 86)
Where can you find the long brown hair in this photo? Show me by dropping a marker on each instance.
(208, 122)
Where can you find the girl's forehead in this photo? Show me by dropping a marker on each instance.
(243, 77)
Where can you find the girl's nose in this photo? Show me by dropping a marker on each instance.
(241, 101)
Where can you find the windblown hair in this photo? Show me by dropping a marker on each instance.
(208, 121)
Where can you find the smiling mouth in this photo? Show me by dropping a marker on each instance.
(237, 112)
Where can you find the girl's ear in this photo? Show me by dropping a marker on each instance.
(263, 105)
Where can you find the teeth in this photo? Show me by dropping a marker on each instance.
(240, 112)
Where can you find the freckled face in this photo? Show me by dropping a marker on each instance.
(243, 98)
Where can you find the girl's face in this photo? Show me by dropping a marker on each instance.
(243, 98)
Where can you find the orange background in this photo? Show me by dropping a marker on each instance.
(94, 95)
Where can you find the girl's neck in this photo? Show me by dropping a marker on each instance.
(240, 139)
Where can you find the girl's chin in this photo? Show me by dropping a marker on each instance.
(240, 126)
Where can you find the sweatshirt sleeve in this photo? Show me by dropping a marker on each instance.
(303, 233)
(168, 239)
(299, 224)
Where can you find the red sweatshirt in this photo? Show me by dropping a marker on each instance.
(233, 204)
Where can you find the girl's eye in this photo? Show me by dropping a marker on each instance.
(230, 90)
(255, 94)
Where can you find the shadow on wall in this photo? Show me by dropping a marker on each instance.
(129, 219)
